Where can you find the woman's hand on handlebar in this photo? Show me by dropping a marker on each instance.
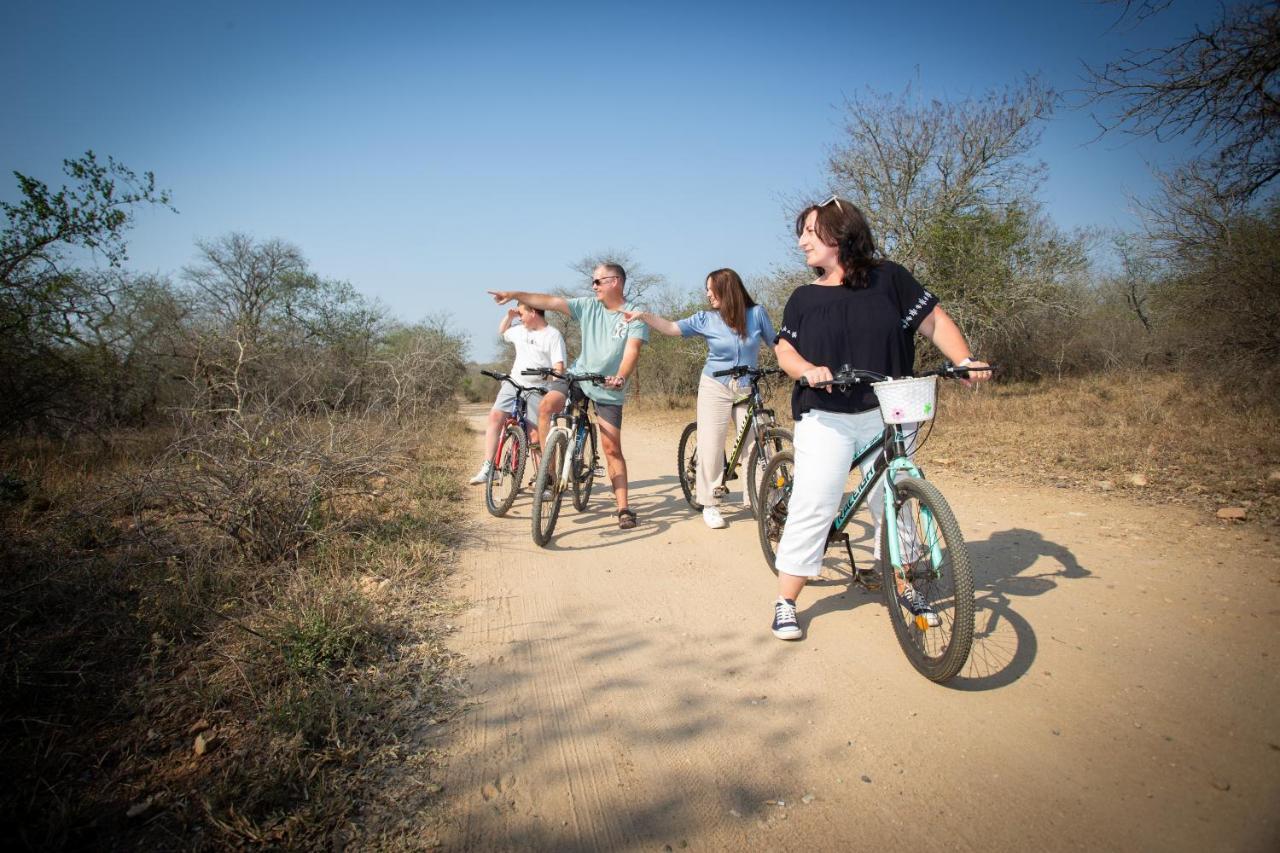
(816, 375)
(976, 375)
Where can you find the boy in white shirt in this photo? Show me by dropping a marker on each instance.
(537, 344)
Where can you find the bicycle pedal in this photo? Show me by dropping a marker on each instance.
(720, 491)
(868, 579)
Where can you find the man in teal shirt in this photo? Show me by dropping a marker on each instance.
(611, 346)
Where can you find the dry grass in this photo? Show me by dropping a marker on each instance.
(1156, 438)
(1186, 441)
(164, 687)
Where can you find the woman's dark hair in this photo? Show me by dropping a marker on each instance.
(841, 224)
(734, 299)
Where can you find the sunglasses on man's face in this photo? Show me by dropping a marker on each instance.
(832, 200)
(597, 282)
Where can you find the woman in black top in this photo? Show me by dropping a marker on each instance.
(863, 311)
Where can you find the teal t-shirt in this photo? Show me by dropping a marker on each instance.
(604, 341)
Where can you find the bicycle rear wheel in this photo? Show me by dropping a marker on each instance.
(926, 524)
(773, 498)
(584, 470)
(687, 464)
(508, 471)
(772, 442)
(546, 489)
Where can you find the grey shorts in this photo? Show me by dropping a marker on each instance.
(610, 413)
(506, 402)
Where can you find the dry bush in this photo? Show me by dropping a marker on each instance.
(267, 482)
(304, 675)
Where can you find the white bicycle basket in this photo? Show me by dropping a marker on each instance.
(906, 401)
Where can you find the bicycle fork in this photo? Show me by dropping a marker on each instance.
(930, 531)
(572, 447)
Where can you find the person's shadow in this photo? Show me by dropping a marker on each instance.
(1004, 642)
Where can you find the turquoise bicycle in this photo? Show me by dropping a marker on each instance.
(920, 543)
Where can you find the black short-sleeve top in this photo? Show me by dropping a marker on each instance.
(870, 328)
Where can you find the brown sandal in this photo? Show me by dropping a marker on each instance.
(626, 519)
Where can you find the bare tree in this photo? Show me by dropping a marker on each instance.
(1220, 86)
(641, 284)
(240, 280)
(911, 163)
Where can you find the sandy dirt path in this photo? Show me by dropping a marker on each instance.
(627, 694)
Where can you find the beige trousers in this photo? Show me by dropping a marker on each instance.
(715, 412)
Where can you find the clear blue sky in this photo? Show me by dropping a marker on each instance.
(428, 151)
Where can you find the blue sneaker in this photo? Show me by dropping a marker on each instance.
(785, 626)
(925, 616)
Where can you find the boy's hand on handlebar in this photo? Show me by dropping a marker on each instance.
(816, 375)
(614, 381)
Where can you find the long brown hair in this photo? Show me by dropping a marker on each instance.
(842, 224)
(734, 299)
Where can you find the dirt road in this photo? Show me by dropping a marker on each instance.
(1123, 692)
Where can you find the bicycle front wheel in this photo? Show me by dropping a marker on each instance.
(936, 563)
(584, 470)
(687, 465)
(547, 494)
(772, 442)
(772, 499)
(508, 471)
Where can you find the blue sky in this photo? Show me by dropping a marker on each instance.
(428, 151)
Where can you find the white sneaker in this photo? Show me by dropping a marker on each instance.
(711, 515)
(482, 475)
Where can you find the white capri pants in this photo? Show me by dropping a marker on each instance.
(715, 411)
(825, 443)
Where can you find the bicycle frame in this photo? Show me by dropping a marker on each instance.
(574, 420)
(755, 406)
(892, 461)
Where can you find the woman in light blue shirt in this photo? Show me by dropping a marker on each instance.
(734, 329)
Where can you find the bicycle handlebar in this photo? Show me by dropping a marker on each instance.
(743, 370)
(506, 377)
(852, 376)
(547, 372)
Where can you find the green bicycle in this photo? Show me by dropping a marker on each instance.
(770, 439)
(920, 543)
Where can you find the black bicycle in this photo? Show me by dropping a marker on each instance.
(761, 423)
(569, 455)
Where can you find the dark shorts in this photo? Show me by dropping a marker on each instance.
(607, 412)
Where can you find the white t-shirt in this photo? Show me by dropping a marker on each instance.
(541, 348)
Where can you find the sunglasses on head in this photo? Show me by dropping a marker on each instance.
(832, 200)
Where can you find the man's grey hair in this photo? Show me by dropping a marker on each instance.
(615, 269)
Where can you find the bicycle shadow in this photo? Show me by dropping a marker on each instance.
(656, 511)
(1005, 643)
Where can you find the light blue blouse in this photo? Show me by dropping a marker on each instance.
(724, 348)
